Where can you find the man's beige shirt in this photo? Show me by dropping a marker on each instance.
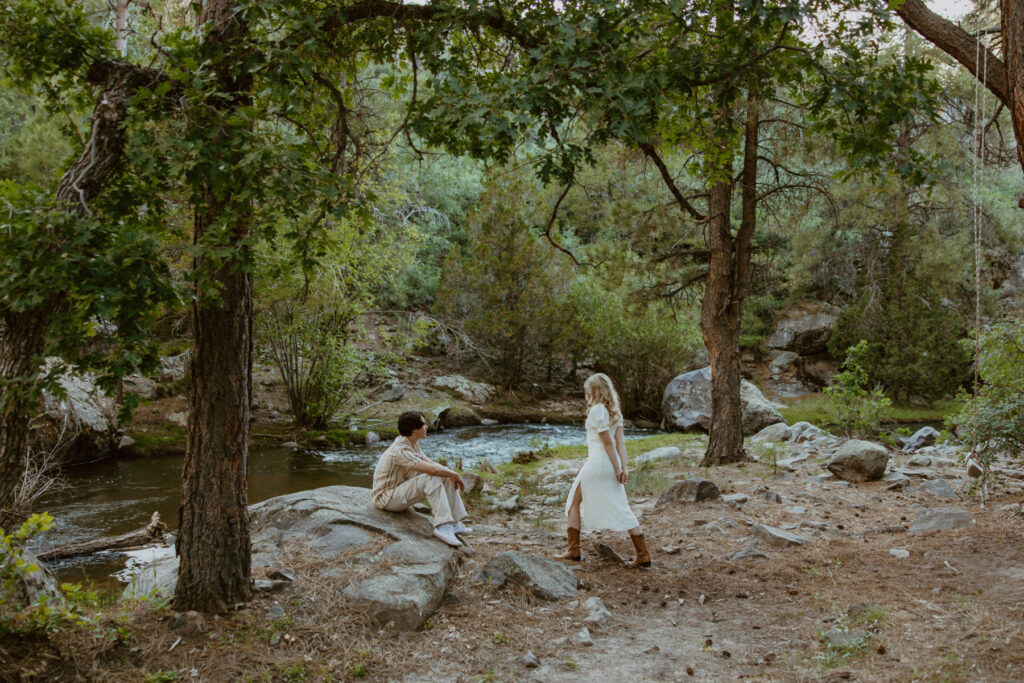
(394, 468)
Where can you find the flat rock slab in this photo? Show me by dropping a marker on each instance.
(777, 537)
(939, 488)
(858, 460)
(545, 578)
(658, 454)
(689, 491)
(405, 598)
(940, 519)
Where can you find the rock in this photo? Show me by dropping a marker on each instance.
(797, 510)
(473, 482)
(490, 576)
(83, 422)
(900, 553)
(859, 461)
(172, 368)
(290, 444)
(782, 361)
(837, 637)
(489, 422)
(776, 537)
(372, 438)
(582, 637)
(545, 578)
(736, 498)
(32, 585)
(178, 418)
(486, 466)
(406, 597)
(608, 553)
(658, 454)
(807, 432)
(772, 497)
(158, 577)
(804, 328)
(670, 549)
(275, 613)
(466, 389)
(925, 436)
(598, 615)
(267, 586)
(125, 443)
(788, 463)
(939, 488)
(507, 505)
(689, 491)
(529, 660)
(189, 623)
(773, 432)
(143, 387)
(686, 404)
(920, 461)
(458, 416)
(285, 574)
(940, 519)
(746, 553)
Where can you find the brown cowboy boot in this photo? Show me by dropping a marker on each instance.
(643, 558)
(573, 553)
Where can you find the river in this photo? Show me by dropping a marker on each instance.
(115, 496)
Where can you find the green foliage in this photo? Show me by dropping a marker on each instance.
(999, 415)
(44, 615)
(858, 409)
(640, 346)
(509, 290)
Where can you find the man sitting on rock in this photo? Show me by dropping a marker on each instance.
(404, 477)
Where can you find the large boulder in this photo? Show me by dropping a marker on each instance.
(329, 525)
(33, 585)
(859, 461)
(686, 404)
(804, 328)
(923, 437)
(82, 424)
(466, 389)
(940, 519)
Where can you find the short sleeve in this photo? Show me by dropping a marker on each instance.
(598, 418)
(405, 457)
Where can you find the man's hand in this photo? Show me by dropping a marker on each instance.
(457, 480)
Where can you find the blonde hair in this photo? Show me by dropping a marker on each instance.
(599, 389)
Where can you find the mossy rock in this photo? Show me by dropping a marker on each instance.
(459, 416)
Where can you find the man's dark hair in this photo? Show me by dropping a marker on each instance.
(409, 422)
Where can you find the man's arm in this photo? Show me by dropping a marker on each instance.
(435, 470)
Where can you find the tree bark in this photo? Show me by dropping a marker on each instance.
(213, 529)
(1003, 77)
(722, 307)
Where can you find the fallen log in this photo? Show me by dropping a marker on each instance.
(151, 533)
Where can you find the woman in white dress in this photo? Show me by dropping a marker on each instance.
(598, 494)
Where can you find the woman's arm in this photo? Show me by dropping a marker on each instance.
(609, 448)
(620, 446)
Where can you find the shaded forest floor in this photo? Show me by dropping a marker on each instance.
(951, 611)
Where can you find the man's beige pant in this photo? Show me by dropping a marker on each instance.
(445, 501)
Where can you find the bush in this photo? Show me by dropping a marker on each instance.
(43, 615)
(640, 347)
(1000, 406)
(858, 409)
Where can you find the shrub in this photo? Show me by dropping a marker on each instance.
(1000, 405)
(858, 409)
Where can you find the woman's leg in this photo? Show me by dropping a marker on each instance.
(643, 557)
(573, 532)
(574, 509)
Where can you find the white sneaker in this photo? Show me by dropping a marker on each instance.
(461, 528)
(447, 534)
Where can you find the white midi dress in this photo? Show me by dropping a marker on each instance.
(604, 499)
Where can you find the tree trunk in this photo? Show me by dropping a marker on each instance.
(121, 26)
(722, 307)
(21, 346)
(1003, 77)
(213, 522)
